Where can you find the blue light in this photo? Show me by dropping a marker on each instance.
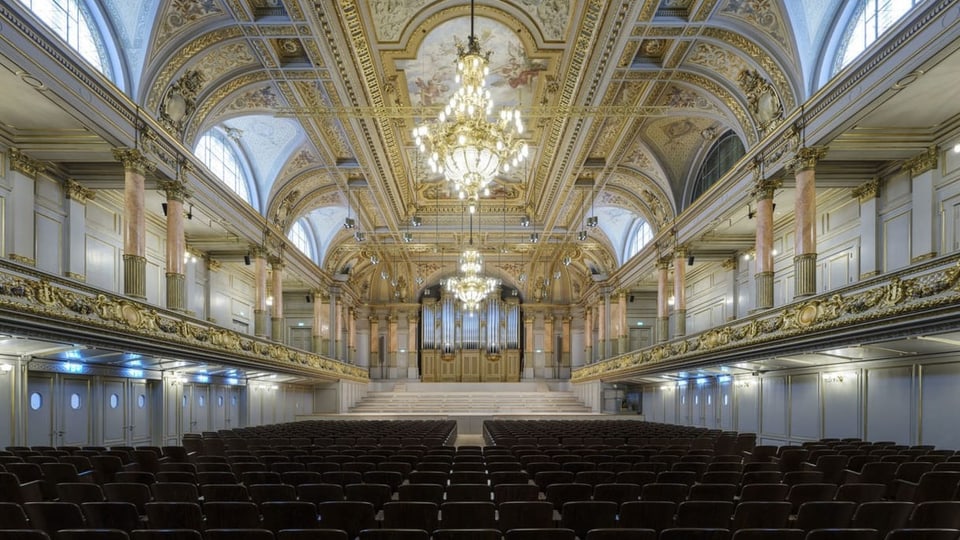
(203, 378)
(701, 380)
(724, 378)
(71, 367)
(134, 363)
(135, 373)
(73, 354)
(232, 380)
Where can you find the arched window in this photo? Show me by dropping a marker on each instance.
(720, 159)
(871, 19)
(73, 22)
(299, 236)
(219, 156)
(641, 235)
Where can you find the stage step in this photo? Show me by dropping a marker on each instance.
(470, 402)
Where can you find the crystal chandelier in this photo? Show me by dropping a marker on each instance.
(463, 144)
(471, 287)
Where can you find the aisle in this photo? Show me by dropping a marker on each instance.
(464, 439)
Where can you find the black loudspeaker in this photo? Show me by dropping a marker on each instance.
(690, 260)
(164, 207)
(246, 259)
(631, 298)
(309, 299)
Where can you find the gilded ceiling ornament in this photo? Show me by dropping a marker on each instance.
(867, 190)
(23, 163)
(180, 101)
(75, 191)
(921, 163)
(765, 104)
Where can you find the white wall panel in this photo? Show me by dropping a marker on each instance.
(49, 243)
(939, 403)
(888, 390)
(805, 406)
(725, 404)
(773, 406)
(747, 391)
(102, 264)
(841, 407)
(896, 241)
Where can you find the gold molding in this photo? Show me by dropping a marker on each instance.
(89, 309)
(133, 160)
(923, 162)
(174, 190)
(807, 158)
(867, 190)
(75, 276)
(25, 164)
(764, 188)
(900, 295)
(924, 257)
(22, 259)
(77, 192)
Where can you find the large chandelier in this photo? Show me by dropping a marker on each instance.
(463, 144)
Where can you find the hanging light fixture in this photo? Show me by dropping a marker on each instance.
(471, 287)
(463, 144)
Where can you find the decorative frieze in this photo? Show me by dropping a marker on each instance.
(133, 160)
(24, 164)
(77, 192)
(807, 158)
(927, 161)
(867, 190)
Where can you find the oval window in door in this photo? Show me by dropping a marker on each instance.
(36, 401)
(75, 403)
(141, 401)
(201, 401)
(220, 401)
(233, 400)
(114, 401)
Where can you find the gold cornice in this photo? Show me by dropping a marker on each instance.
(932, 286)
(77, 192)
(867, 190)
(807, 158)
(921, 163)
(133, 160)
(88, 309)
(176, 191)
(764, 188)
(24, 164)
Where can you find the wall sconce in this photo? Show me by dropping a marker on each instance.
(671, 301)
(270, 300)
(6, 368)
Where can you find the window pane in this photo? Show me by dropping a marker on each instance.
(873, 18)
(223, 163)
(298, 236)
(71, 20)
(720, 159)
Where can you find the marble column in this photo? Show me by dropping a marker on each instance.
(176, 246)
(528, 358)
(603, 325)
(332, 321)
(20, 207)
(622, 324)
(277, 330)
(341, 343)
(393, 344)
(350, 355)
(74, 254)
(925, 216)
(260, 291)
(588, 335)
(550, 365)
(868, 194)
(663, 307)
(565, 339)
(805, 220)
(763, 280)
(317, 331)
(135, 168)
(413, 371)
(375, 346)
(680, 292)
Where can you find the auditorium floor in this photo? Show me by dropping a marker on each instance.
(464, 439)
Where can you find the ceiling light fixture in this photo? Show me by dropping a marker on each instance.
(463, 144)
(471, 287)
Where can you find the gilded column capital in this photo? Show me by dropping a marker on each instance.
(764, 188)
(729, 264)
(680, 252)
(214, 265)
(77, 192)
(867, 190)
(276, 262)
(919, 164)
(176, 191)
(25, 164)
(807, 158)
(663, 264)
(258, 252)
(133, 160)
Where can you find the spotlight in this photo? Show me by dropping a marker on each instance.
(164, 207)
(534, 238)
(408, 237)
(359, 236)
(525, 221)
(593, 221)
(349, 223)
(246, 259)
(690, 260)
(375, 260)
(582, 235)
(567, 261)
(416, 221)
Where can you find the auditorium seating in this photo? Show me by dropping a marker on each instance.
(657, 479)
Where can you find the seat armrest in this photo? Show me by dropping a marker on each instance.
(904, 490)
(849, 476)
(807, 466)
(32, 491)
(87, 476)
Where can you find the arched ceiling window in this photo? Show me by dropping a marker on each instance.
(221, 157)
(73, 22)
(721, 158)
(871, 19)
(301, 238)
(640, 236)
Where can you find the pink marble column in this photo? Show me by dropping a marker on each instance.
(135, 168)
(276, 321)
(763, 279)
(317, 332)
(176, 246)
(622, 324)
(565, 322)
(588, 335)
(663, 308)
(680, 292)
(260, 291)
(374, 321)
(602, 326)
(805, 220)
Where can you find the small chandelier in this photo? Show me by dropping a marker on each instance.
(471, 287)
(463, 144)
